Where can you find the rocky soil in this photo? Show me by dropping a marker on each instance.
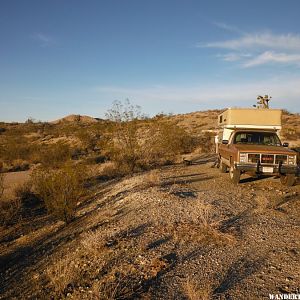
(181, 232)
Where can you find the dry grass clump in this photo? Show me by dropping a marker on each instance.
(60, 189)
(9, 208)
(9, 211)
(119, 284)
(153, 178)
(194, 291)
(93, 244)
(62, 273)
(111, 171)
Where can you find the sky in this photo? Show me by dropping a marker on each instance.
(60, 57)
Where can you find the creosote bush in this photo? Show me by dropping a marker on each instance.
(136, 143)
(123, 145)
(55, 155)
(60, 189)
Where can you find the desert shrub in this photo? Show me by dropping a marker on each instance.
(55, 155)
(88, 138)
(24, 191)
(19, 165)
(167, 140)
(9, 211)
(15, 148)
(96, 159)
(60, 189)
(136, 143)
(62, 272)
(153, 178)
(1, 185)
(291, 134)
(206, 143)
(76, 153)
(112, 171)
(124, 147)
(9, 208)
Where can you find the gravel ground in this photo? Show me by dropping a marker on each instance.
(181, 232)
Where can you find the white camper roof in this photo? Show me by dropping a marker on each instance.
(250, 118)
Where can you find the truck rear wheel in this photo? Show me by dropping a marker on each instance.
(235, 175)
(222, 166)
(288, 179)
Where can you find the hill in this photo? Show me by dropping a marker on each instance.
(76, 119)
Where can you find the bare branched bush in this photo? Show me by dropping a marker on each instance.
(60, 189)
(124, 143)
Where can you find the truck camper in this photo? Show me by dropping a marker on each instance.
(248, 142)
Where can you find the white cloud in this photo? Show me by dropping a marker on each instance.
(260, 48)
(272, 57)
(227, 27)
(259, 40)
(43, 39)
(234, 56)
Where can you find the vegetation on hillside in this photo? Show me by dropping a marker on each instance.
(125, 143)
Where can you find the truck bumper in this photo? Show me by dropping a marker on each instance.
(266, 169)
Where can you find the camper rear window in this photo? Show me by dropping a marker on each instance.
(257, 138)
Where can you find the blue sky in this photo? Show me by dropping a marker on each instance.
(60, 57)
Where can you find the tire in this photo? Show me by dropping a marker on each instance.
(222, 167)
(288, 179)
(235, 175)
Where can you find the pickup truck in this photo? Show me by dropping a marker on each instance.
(258, 152)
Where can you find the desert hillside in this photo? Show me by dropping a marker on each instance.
(174, 233)
(108, 210)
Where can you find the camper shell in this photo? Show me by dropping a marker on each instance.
(248, 142)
